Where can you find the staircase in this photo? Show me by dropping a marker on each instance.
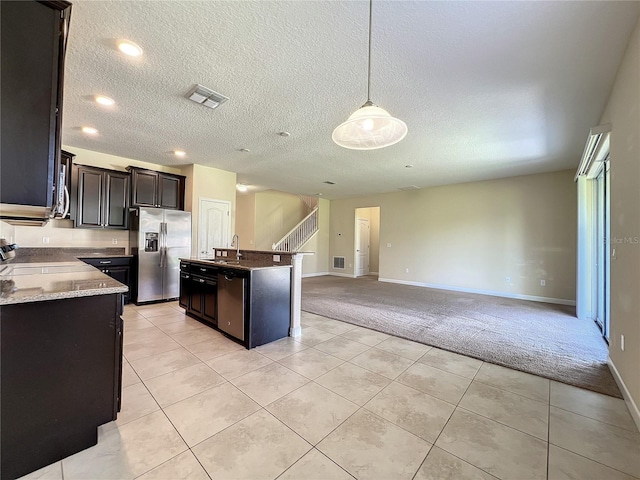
(303, 231)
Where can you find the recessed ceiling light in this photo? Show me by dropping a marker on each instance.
(329, 182)
(284, 134)
(129, 48)
(244, 150)
(179, 153)
(241, 187)
(408, 166)
(89, 130)
(102, 100)
(319, 194)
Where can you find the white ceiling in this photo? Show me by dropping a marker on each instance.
(487, 89)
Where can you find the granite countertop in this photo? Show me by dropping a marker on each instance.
(62, 254)
(242, 265)
(34, 282)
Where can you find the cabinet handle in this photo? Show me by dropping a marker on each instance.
(105, 262)
(201, 280)
(203, 269)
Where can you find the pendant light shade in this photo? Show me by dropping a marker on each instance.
(370, 127)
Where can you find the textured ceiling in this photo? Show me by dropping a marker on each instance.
(487, 89)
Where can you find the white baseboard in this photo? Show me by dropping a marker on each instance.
(631, 404)
(374, 273)
(348, 275)
(295, 332)
(317, 274)
(533, 298)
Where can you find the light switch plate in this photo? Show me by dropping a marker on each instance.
(224, 253)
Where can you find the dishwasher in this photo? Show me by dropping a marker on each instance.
(231, 303)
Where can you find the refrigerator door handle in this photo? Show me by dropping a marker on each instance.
(164, 246)
(162, 240)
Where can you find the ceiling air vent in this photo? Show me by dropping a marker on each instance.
(410, 187)
(207, 97)
(338, 262)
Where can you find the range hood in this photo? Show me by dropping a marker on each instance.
(28, 215)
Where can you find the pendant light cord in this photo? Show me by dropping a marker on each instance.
(369, 66)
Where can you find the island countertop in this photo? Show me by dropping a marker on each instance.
(240, 265)
(36, 282)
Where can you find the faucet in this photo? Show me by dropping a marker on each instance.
(236, 240)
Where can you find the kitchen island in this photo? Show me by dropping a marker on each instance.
(248, 300)
(60, 360)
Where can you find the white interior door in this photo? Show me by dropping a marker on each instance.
(213, 226)
(362, 247)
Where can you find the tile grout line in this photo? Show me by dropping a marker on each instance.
(447, 423)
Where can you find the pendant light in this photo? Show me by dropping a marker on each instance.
(370, 127)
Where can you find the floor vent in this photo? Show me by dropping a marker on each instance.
(338, 262)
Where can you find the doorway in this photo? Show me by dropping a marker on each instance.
(363, 235)
(366, 249)
(213, 226)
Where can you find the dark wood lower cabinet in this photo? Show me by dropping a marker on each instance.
(118, 268)
(61, 368)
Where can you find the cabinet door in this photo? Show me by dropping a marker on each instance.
(185, 285)
(209, 299)
(116, 206)
(90, 198)
(197, 291)
(32, 56)
(145, 188)
(169, 192)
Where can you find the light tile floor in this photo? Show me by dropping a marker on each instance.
(341, 402)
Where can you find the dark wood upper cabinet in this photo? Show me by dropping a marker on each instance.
(33, 43)
(156, 189)
(100, 198)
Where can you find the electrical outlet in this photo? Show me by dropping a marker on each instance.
(622, 342)
(508, 279)
(406, 270)
(543, 283)
(45, 239)
(388, 245)
(276, 258)
(350, 265)
(114, 241)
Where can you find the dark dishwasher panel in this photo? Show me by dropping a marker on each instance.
(231, 303)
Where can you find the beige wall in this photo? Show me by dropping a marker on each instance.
(113, 162)
(246, 219)
(623, 113)
(276, 213)
(319, 244)
(211, 183)
(474, 235)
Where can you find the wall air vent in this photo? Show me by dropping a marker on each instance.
(207, 97)
(338, 262)
(410, 187)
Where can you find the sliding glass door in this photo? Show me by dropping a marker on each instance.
(602, 250)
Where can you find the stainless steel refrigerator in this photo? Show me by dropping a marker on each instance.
(158, 239)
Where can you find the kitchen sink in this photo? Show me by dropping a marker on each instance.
(226, 262)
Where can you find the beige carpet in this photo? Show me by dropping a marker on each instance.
(539, 338)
